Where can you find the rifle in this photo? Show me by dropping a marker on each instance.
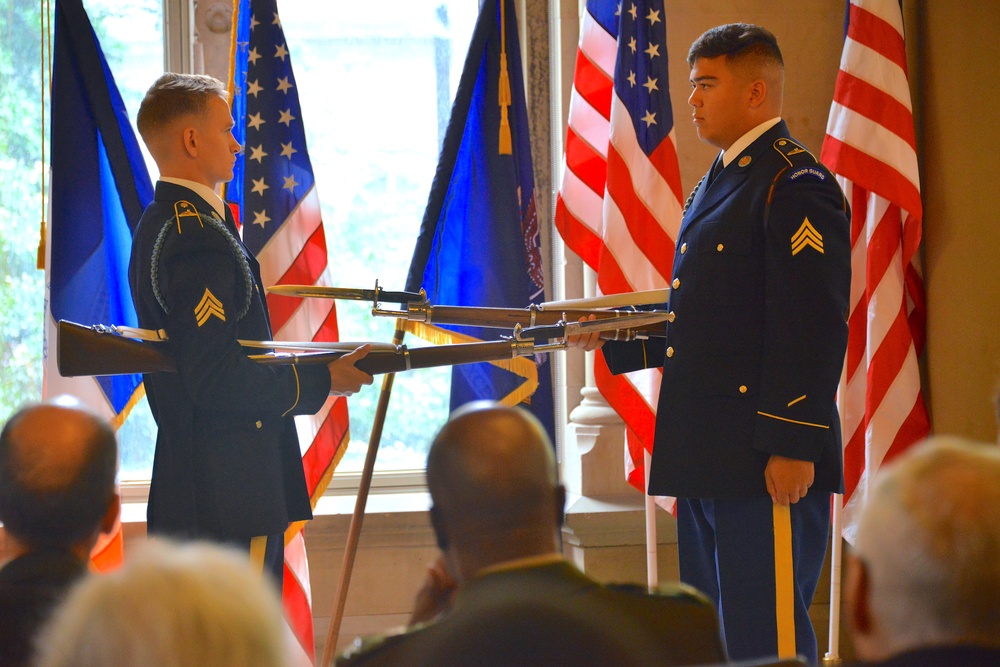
(416, 308)
(101, 350)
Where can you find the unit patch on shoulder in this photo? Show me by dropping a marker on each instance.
(209, 306)
(185, 209)
(808, 171)
(789, 149)
(807, 237)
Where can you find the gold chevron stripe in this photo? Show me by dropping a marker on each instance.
(807, 236)
(209, 306)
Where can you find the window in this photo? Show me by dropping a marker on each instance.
(376, 90)
(131, 37)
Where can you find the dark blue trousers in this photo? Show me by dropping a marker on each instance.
(727, 550)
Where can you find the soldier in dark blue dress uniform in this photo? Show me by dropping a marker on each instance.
(747, 433)
(227, 465)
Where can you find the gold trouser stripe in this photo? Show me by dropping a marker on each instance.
(258, 545)
(784, 584)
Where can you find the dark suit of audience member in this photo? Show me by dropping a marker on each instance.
(923, 583)
(57, 494)
(502, 593)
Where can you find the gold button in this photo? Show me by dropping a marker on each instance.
(259, 424)
(671, 317)
(684, 248)
(743, 389)
(670, 352)
(676, 283)
(719, 247)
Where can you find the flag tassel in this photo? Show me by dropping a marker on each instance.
(503, 97)
(506, 145)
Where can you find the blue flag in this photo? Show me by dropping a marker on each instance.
(100, 187)
(479, 239)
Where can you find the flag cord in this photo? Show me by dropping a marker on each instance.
(45, 46)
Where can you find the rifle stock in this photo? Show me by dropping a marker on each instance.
(98, 350)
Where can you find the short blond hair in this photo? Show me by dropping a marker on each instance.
(174, 96)
(170, 605)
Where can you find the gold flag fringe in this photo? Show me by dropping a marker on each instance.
(520, 366)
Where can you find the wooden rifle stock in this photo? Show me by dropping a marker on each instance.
(99, 350)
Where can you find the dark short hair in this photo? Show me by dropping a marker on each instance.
(175, 95)
(737, 41)
(57, 517)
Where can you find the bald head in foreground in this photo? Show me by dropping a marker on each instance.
(505, 594)
(923, 585)
(58, 463)
(491, 473)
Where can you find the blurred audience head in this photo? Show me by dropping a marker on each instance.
(491, 472)
(58, 463)
(925, 568)
(170, 605)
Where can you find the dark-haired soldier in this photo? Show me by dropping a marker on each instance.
(747, 433)
(57, 495)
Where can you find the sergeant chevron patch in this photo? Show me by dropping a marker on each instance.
(807, 237)
(209, 306)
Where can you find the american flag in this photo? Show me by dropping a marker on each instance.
(619, 206)
(870, 146)
(282, 225)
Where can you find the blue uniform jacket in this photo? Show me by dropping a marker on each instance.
(227, 462)
(753, 354)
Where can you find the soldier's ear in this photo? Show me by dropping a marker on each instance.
(439, 532)
(190, 140)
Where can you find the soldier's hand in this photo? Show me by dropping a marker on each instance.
(586, 342)
(345, 379)
(788, 480)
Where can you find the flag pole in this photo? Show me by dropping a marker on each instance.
(354, 532)
(832, 656)
(652, 572)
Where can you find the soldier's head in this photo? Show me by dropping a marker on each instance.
(924, 569)
(491, 473)
(57, 477)
(737, 80)
(186, 124)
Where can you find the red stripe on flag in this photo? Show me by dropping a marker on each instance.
(664, 158)
(857, 166)
(593, 85)
(298, 613)
(643, 226)
(866, 28)
(324, 447)
(873, 103)
(307, 267)
(584, 161)
(577, 236)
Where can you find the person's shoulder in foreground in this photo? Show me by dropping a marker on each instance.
(501, 593)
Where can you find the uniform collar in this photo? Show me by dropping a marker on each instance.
(743, 142)
(203, 191)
